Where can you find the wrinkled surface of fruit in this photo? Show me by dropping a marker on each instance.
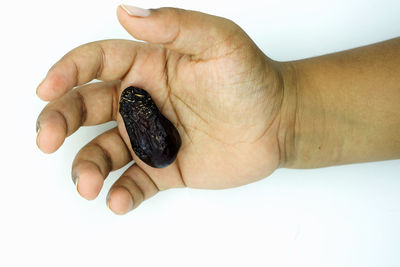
(154, 139)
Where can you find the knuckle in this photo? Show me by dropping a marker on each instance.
(82, 106)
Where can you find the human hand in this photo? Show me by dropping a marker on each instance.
(225, 97)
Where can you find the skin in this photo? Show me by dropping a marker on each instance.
(240, 114)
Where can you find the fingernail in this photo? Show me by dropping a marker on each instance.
(136, 11)
(108, 199)
(37, 126)
(37, 133)
(127, 200)
(75, 179)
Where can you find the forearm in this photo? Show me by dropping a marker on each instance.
(346, 107)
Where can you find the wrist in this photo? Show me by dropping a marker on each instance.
(314, 129)
(340, 108)
(302, 133)
(286, 135)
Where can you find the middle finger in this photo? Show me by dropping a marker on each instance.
(90, 104)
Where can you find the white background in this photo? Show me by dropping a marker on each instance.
(338, 216)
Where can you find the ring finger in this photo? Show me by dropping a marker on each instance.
(93, 163)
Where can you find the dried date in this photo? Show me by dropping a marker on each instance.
(154, 139)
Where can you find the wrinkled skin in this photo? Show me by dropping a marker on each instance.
(153, 138)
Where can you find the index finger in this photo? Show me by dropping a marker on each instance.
(104, 60)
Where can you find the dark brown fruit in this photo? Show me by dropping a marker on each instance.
(154, 139)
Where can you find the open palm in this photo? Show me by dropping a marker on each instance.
(205, 75)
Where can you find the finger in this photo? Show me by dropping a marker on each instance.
(130, 190)
(94, 161)
(90, 104)
(184, 31)
(105, 60)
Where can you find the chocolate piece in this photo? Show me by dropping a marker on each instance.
(154, 139)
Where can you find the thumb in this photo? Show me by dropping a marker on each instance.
(183, 31)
